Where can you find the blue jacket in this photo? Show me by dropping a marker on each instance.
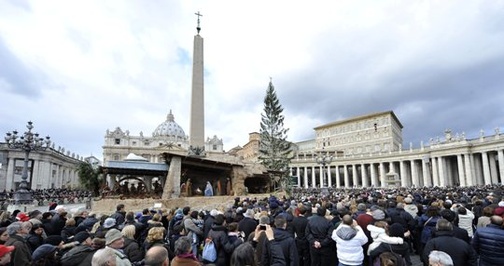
(488, 242)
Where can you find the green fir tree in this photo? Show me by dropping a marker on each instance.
(274, 149)
(89, 177)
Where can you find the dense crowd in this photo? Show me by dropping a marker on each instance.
(43, 197)
(324, 226)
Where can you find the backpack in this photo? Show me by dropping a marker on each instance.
(209, 252)
(388, 256)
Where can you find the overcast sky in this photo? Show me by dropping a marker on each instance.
(78, 68)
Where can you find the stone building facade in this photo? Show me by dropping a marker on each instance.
(168, 136)
(52, 168)
(367, 151)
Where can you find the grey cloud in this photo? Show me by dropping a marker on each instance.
(18, 77)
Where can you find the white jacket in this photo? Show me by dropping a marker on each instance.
(379, 236)
(349, 243)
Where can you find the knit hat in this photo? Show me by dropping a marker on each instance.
(264, 220)
(501, 204)
(408, 200)
(109, 222)
(81, 236)
(396, 229)
(22, 217)
(6, 249)
(42, 251)
(378, 215)
(112, 235)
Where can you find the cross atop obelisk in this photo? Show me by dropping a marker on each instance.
(198, 28)
(197, 123)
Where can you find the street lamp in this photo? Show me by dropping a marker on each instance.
(28, 142)
(323, 158)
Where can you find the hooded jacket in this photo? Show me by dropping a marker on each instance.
(286, 243)
(379, 236)
(349, 241)
(79, 255)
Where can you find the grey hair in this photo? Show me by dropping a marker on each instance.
(182, 245)
(14, 227)
(103, 256)
(440, 257)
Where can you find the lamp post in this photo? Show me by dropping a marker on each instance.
(27, 142)
(323, 158)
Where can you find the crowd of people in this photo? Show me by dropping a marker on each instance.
(42, 197)
(358, 226)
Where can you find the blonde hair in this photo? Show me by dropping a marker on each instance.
(129, 231)
(70, 222)
(156, 217)
(155, 233)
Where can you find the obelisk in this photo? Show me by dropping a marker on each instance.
(197, 124)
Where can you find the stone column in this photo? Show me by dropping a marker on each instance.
(460, 167)
(426, 173)
(441, 169)
(468, 170)
(374, 177)
(10, 184)
(365, 179)
(355, 175)
(305, 175)
(403, 175)
(435, 175)
(493, 169)
(338, 179)
(382, 174)
(486, 168)
(329, 181)
(414, 173)
(500, 157)
(321, 175)
(172, 185)
(298, 176)
(347, 178)
(314, 181)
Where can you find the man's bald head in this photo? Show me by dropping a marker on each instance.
(347, 219)
(157, 256)
(496, 219)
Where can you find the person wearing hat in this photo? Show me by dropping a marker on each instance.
(248, 223)
(22, 217)
(5, 254)
(18, 232)
(45, 255)
(81, 254)
(114, 240)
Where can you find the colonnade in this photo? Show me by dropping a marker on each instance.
(422, 167)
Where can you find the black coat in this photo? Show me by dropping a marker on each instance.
(132, 250)
(460, 252)
(319, 229)
(288, 246)
(401, 249)
(247, 225)
(79, 255)
(224, 247)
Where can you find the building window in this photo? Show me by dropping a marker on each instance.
(134, 143)
(53, 173)
(214, 147)
(117, 141)
(116, 157)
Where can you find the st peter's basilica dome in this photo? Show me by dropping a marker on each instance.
(169, 128)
